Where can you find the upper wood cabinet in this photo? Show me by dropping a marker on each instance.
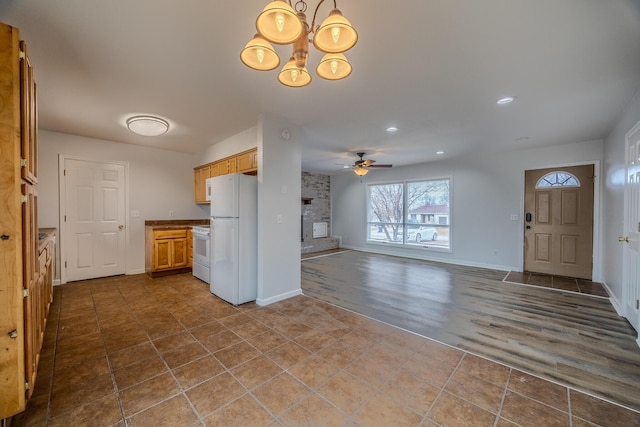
(245, 162)
(28, 118)
(248, 161)
(200, 175)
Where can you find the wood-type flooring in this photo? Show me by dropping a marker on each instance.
(572, 339)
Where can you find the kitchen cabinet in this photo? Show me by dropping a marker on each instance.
(245, 162)
(248, 161)
(190, 248)
(25, 293)
(167, 251)
(200, 175)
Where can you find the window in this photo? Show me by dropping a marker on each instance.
(558, 179)
(410, 213)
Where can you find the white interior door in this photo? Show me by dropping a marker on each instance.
(631, 237)
(93, 234)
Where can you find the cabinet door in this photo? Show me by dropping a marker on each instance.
(200, 176)
(162, 254)
(28, 119)
(232, 165)
(214, 169)
(180, 253)
(248, 162)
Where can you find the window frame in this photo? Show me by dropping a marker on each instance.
(424, 246)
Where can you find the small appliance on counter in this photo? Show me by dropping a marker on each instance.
(234, 232)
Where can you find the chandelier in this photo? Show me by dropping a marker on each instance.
(283, 23)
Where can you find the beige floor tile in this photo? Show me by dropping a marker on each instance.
(346, 392)
(149, 393)
(453, 411)
(280, 393)
(244, 411)
(313, 411)
(384, 411)
(214, 393)
(198, 371)
(173, 412)
(255, 372)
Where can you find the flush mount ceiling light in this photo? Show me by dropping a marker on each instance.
(147, 125)
(282, 22)
(506, 100)
(392, 129)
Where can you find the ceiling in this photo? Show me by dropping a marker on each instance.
(433, 68)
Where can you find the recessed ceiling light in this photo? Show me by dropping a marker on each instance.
(506, 100)
(392, 129)
(522, 139)
(439, 152)
(147, 125)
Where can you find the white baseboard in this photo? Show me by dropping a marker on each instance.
(132, 272)
(614, 301)
(281, 297)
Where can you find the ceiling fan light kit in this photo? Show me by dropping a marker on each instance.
(284, 23)
(361, 166)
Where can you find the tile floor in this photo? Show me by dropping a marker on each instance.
(557, 282)
(134, 351)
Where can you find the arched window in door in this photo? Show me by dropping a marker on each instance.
(558, 179)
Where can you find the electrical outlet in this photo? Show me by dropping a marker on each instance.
(170, 214)
(135, 214)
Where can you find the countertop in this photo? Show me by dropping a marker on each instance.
(174, 223)
(44, 235)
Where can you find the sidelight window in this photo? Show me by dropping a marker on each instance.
(410, 213)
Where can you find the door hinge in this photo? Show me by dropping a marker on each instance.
(65, 264)
(23, 162)
(638, 304)
(25, 293)
(64, 172)
(21, 54)
(24, 199)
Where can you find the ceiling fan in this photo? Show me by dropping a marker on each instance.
(361, 167)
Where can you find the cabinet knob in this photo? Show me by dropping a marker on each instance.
(13, 334)
(4, 237)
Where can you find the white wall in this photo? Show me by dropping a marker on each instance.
(613, 201)
(238, 143)
(279, 188)
(159, 181)
(486, 190)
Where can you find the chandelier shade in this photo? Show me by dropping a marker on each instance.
(259, 55)
(360, 170)
(294, 76)
(335, 34)
(333, 66)
(278, 23)
(285, 22)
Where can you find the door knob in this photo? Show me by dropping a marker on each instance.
(120, 227)
(623, 239)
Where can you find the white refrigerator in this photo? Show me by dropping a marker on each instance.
(234, 232)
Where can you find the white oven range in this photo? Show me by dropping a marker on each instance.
(201, 252)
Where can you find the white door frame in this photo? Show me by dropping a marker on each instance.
(629, 286)
(62, 158)
(597, 211)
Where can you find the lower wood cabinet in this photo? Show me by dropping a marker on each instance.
(167, 251)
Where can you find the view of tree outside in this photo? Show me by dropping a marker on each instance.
(410, 212)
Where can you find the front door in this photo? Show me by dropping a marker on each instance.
(92, 220)
(558, 237)
(631, 236)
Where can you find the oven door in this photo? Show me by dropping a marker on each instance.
(201, 245)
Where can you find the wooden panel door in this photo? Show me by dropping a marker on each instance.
(558, 236)
(631, 236)
(28, 118)
(34, 316)
(180, 253)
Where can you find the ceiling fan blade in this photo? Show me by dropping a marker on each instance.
(380, 166)
(368, 162)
